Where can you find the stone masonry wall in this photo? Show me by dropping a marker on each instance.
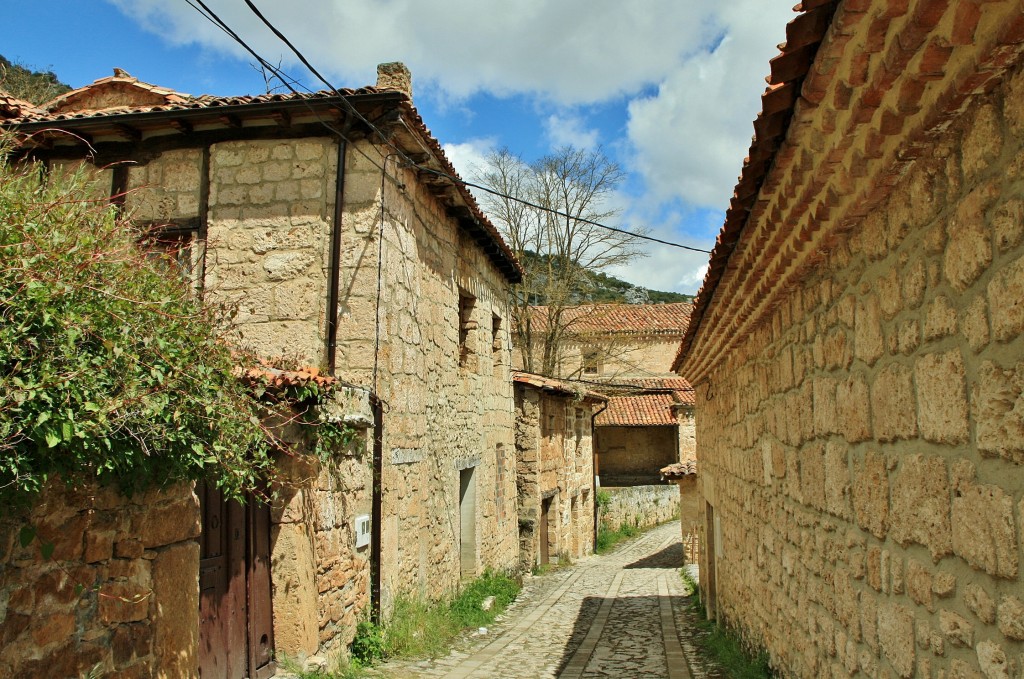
(629, 455)
(642, 506)
(554, 460)
(119, 593)
(863, 448)
(446, 417)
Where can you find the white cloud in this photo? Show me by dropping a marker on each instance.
(469, 156)
(570, 130)
(691, 73)
(568, 51)
(690, 138)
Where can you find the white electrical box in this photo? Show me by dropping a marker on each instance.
(362, 530)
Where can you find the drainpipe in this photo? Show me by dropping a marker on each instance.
(375, 511)
(334, 273)
(593, 452)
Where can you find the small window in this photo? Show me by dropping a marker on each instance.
(496, 337)
(591, 362)
(467, 328)
(181, 249)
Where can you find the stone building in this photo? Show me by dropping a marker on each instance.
(554, 460)
(174, 581)
(330, 222)
(691, 509)
(856, 350)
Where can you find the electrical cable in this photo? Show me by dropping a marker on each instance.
(211, 16)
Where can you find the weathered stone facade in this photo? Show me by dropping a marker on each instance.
(331, 251)
(641, 506)
(120, 590)
(554, 470)
(859, 429)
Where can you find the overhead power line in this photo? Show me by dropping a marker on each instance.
(211, 16)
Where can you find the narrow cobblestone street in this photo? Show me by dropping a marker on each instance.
(615, 615)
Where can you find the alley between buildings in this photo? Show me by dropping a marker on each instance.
(622, 614)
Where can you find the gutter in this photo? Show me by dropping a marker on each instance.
(334, 275)
(375, 511)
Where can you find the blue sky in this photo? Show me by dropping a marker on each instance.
(668, 88)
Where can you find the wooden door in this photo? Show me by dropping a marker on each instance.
(545, 545)
(235, 624)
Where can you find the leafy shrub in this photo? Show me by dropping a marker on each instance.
(368, 644)
(467, 606)
(110, 367)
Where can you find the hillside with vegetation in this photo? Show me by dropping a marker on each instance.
(601, 288)
(33, 86)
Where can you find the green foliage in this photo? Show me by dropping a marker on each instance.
(35, 87)
(603, 499)
(348, 670)
(418, 628)
(110, 368)
(368, 644)
(601, 288)
(466, 607)
(607, 538)
(726, 648)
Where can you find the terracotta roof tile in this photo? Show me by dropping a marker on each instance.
(637, 319)
(61, 111)
(642, 410)
(678, 470)
(788, 70)
(12, 107)
(561, 387)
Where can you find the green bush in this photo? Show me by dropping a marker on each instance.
(110, 367)
(368, 644)
(466, 607)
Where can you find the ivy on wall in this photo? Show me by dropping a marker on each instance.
(110, 368)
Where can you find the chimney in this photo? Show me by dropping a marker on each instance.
(394, 76)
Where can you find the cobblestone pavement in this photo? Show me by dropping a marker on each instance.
(615, 615)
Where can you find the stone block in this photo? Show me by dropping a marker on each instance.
(812, 475)
(1006, 301)
(982, 142)
(288, 265)
(837, 479)
(992, 660)
(974, 324)
(1011, 617)
(914, 284)
(980, 603)
(124, 602)
(919, 583)
(896, 637)
(997, 402)
(956, 629)
(52, 628)
(99, 546)
(824, 406)
(941, 319)
(868, 343)
(942, 397)
(871, 493)
(921, 503)
(175, 520)
(176, 600)
(969, 250)
(1008, 224)
(853, 409)
(983, 528)
(893, 407)
(293, 566)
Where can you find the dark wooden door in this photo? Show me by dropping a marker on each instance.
(235, 624)
(545, 545)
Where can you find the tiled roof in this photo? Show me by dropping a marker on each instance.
(12, 107)
(636, 319)
(678, 470)
(643, 410)
(562, 387)
(680, 388)
(61, 112)
(803, 36)
(276, 380)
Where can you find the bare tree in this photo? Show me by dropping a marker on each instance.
(555, 241)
